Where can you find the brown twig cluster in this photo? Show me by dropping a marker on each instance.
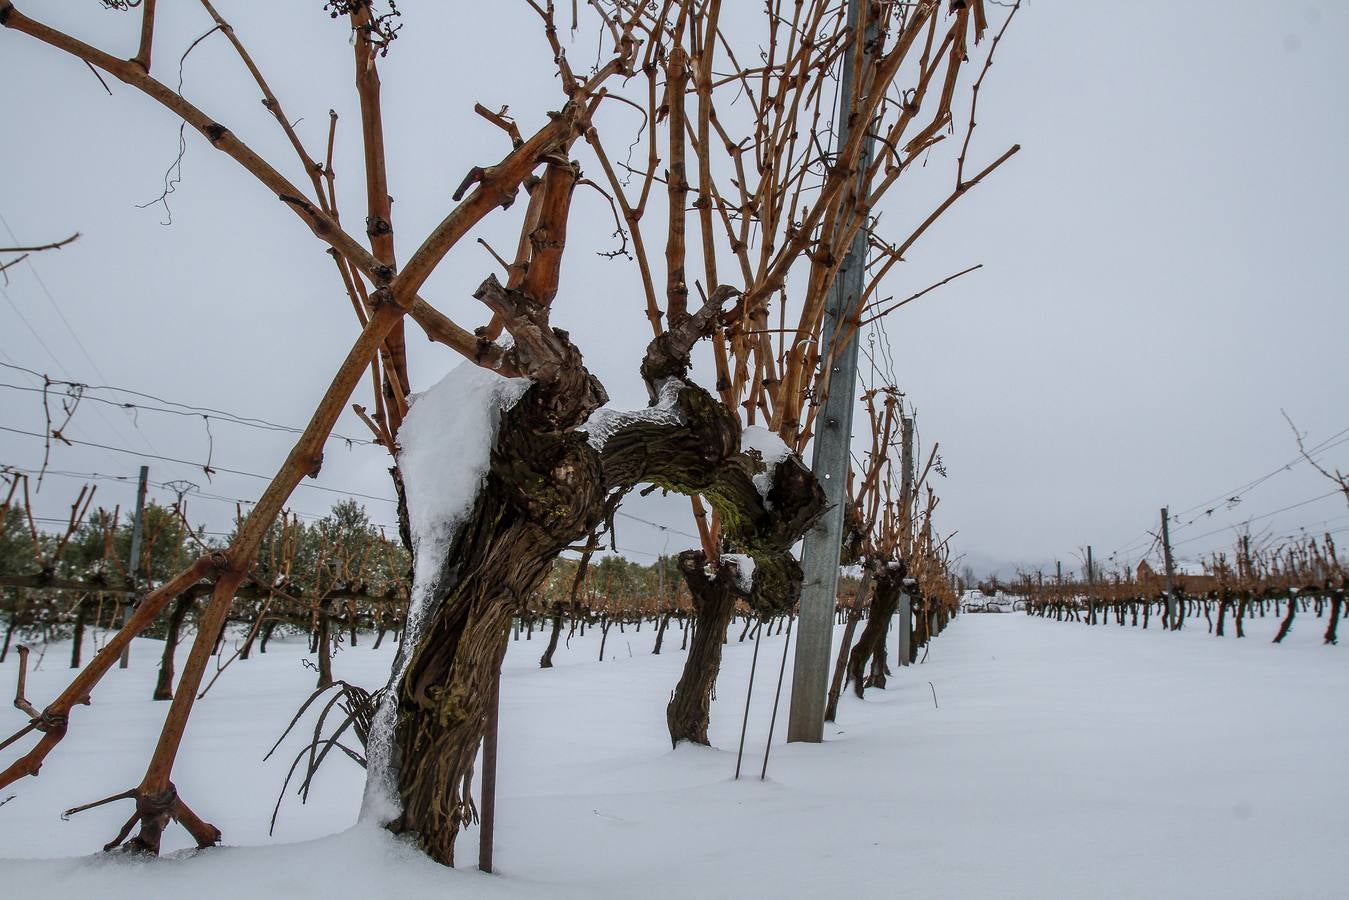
(891, 533)
(1299, 575)
(739, 148)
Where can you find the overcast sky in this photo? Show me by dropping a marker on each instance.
(1163, 265)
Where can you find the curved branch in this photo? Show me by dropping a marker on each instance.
(698, 451)
(55, 245)
(496, 188)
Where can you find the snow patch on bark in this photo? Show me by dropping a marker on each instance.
(604, 422)
(445, 448)
(771, 450)
(744, 571)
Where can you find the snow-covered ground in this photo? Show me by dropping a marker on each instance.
(1062, 761)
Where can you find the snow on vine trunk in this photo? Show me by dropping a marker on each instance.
(445, 447)
(744, 570)
(605, 421)
(771, 450)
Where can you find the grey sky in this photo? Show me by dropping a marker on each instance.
(1163, 261)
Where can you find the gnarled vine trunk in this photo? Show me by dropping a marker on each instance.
(543, 492)
(714, 596)
(888, 582)
(549, 484)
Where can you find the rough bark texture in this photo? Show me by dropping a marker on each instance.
(714, 596)
(702, 456)
(888, 582)
(543, 492)
(546, 488)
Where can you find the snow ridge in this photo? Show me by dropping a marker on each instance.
(744, 570)
(445, 447)
(771, 450)
(604, 422)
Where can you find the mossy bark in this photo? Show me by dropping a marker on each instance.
(701, 455)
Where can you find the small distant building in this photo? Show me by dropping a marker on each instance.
(1194, 585)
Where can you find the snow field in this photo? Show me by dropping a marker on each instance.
(1062, 761)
